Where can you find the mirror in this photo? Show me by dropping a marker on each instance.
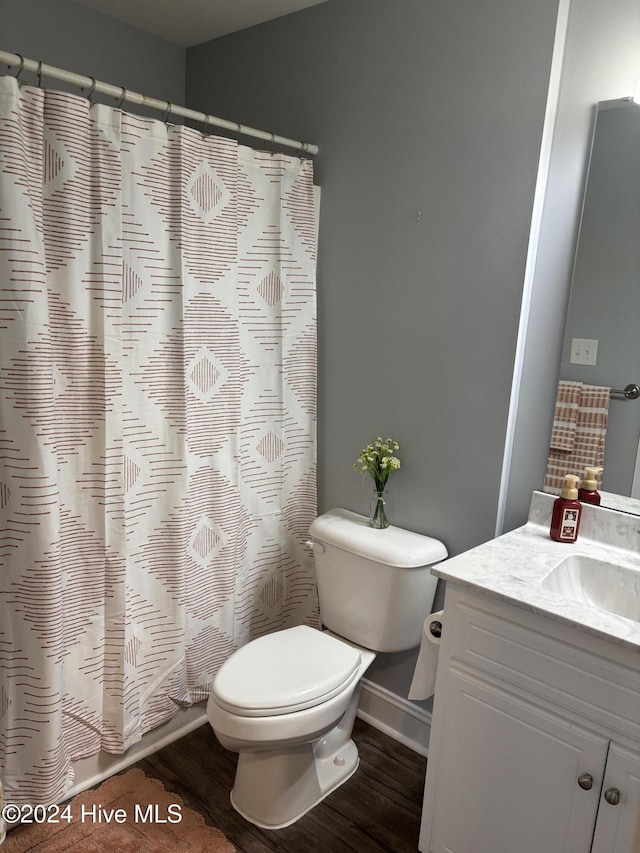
(605, 294)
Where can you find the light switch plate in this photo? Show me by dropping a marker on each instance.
(583, 351)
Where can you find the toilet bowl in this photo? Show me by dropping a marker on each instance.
(295, 745)
(287, 701)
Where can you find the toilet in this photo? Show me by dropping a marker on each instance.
(287, 701)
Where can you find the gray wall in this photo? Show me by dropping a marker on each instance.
(69, 36)
(433, 107)
(429, 118)
(601, 62)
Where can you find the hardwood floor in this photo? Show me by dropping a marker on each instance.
(378, 809)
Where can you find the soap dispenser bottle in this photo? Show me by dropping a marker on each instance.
(567, 511)
(588, 492)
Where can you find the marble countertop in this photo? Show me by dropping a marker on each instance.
(512, 567)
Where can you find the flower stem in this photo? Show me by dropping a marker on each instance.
(378, 516)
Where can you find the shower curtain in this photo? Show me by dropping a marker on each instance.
(157, 421)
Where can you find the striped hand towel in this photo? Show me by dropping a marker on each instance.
(565, 416)
(590, 432)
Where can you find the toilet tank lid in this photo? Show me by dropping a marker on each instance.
(393, 546)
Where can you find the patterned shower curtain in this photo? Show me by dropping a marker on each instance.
(157, 421)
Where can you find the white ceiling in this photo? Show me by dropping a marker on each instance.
(189, 22)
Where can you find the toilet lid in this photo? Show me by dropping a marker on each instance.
(284, 672)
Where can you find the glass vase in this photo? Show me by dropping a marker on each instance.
(379, 510)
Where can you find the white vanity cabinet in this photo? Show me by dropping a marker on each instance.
(535, 741)
(618, 823)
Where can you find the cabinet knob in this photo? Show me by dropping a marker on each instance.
(612, 796)
(585, 781)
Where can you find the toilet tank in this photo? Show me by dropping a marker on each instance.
(375, 587)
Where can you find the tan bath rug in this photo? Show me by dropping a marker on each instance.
(130, 813)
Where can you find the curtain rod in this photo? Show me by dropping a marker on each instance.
(122, 94)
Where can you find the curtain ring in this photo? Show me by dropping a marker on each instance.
(123, 95)
(19, 71)
(168, 112)
(39, 74)
(204, 124)
(91, 90)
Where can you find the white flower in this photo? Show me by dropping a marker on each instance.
(377, 459)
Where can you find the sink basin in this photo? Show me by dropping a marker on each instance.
(608, 586)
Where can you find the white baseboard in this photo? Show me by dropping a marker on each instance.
(395, 716)
(382, 709)
(95, 769)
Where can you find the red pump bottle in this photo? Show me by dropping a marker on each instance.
(567, 512)
(588, 492)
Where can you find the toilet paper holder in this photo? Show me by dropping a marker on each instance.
(435, 628)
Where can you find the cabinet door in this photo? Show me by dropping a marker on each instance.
(618, 824)
(508, 775)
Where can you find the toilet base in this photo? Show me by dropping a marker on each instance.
(274, 790)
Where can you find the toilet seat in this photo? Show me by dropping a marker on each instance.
(284, 672)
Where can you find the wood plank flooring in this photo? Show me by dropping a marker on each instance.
(378, 809)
